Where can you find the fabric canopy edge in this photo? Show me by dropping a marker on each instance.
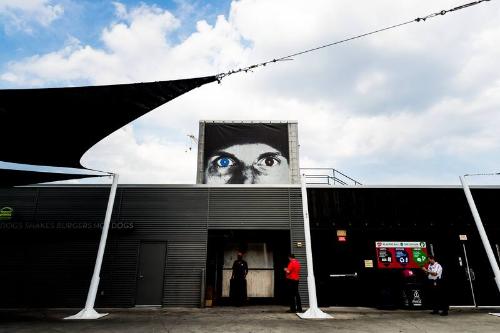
(54, 125)
(204, 79)
(209, 79)
(11, 178)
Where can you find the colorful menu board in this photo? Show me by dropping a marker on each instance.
(401, 254)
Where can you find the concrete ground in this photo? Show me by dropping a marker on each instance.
(248, 319)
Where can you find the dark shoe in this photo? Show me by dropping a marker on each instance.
(444, 313)
(300, 310)
(290, 311)
(434, 312)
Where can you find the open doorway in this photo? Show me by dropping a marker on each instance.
(266, 255)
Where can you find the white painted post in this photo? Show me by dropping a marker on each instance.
(313, 312)
(88, 312)
(482, 234)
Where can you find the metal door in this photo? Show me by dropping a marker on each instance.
(455, 254)
(342, 273)
(150, 273)
(478, 274)
(469, 271)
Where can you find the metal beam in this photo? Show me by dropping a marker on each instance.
(482, 232)
(88, 312)
(313, 312)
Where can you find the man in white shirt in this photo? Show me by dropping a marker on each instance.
(436, 291)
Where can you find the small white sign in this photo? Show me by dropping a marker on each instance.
(463, 237)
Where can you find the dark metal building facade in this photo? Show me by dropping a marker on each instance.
(436, 215)
(48, 246)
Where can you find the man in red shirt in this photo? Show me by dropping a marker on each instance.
(292, 279)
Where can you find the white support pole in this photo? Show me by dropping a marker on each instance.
(482, 234)
(313, 312)
(88, 312)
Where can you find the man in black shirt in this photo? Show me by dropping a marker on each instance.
(238, 287)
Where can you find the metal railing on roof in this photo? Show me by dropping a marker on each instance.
(327, 176)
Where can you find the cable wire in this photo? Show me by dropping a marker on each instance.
(289, 57)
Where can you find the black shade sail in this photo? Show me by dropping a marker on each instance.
(9, 178)
(56, 126)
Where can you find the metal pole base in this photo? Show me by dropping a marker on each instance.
(86, 314)
(495, 314)
(314, 313)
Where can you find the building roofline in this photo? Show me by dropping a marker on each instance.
(215, 121)
(320, 186)
(403, 186)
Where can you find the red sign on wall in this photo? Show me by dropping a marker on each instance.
(401, 254)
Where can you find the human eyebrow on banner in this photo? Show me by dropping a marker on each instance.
(254, 153)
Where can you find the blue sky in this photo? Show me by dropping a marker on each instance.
(85, 20)
(415, 105)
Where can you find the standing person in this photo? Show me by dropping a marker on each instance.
(238, 286)
(436, 290)
(292, 279)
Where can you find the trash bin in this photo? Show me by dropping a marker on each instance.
(411, 290)
(412, 295)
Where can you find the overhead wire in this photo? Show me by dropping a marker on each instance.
(220, 76)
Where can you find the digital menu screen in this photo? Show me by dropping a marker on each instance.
(397, 254)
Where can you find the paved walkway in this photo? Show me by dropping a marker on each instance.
(248, 319)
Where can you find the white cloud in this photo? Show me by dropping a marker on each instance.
(21, 14)
(369, 83)
(136, 48)
(414, 104)
(140, 162)
(480, 67)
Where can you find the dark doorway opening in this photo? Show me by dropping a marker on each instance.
(266, 254)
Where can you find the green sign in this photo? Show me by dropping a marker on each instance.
(419, 257)
(6, 213)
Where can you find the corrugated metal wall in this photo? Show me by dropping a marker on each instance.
(177, 216)
(249, 208)
(297, 235)
(185, 262)
(53, 267)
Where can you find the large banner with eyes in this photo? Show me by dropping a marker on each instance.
(245, 153)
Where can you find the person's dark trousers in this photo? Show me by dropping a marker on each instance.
(437, 296)
(238, 291)
(294, 296)
(442, 294)
(430, 295)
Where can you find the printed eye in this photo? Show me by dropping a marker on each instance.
(268, 161)
(224, 162)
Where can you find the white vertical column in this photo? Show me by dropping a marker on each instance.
(313, 312)
(88, 312)
(482, 232)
